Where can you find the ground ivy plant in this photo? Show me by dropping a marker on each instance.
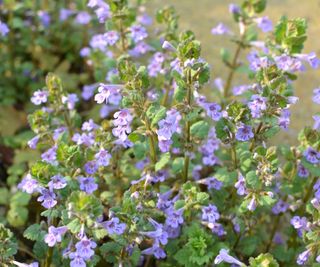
(166, 177)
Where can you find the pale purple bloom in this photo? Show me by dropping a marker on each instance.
(140, 48)
(91, 167)
(234, 9)
(303, 171)
(4, 29)
(103, 158)
(257, 105)
(145, 19)
(217, 228)
(299, 223)
(244, 133)
(284, 119)
(174, 217)
(111, 37)
(19, 264)
(85, 51)
(264, 23)
(304, 257)
(252, 204)
(89, 126)
(44, 18)
(86, 139)
(39, 97)
(312, 155)
(76, 260)
(95, 3)
(316, 124)
(138, 33)
(99, 42)
(105, 110)
(257, 62)
(32, 143)
(311, 58)
(108, 93)
(122, 122)
(159, 234)
(219, 84)
(65, 14)
(212, 183)
(213, 110)
(241, 185)
(55, 235)
(225, 257)
(48, 198)
(83, 18)
(240, 89)
(88, 91)
(28, 184)
(57, 182)
(58, 132)
(50, 155)
(220, 29)
(103, 12)
(288, 63)
(114, 226)
(210, 213)
(316, 96)
(85, 248)
(280, 207)
(87, 184)
(168, 46)
(155, 250)
(70, 100)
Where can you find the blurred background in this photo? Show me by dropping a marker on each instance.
(202, 15)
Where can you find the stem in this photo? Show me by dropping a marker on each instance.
(187, 129)
(48, 257)
(234, 156)
(233, 67)
(122, 36)
(309, 191)
(153, 154)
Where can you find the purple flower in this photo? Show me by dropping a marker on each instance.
(28, 184)
(50, 155)
(39, 97)
(311, 58)
(257, 105)
(212, 183)
(155, 250)
(48, 198)
(99, 42)
(284, 119)
(234, 9)
(312, 155)
(303, 171)
(288, 63)
(140, 48)
(280, 207)
(87, 184)
(85, 51)
(138, 33)
(108, 93)
(85, 138)
(159, 234)
(299, 223)
(70, 100)
(213, 110)
(32, 143)
(316, 96)
(57, 182)
(4, 29)
(225, 257)
(241, 185)
(44, 18)
(264, 23)
(65, 14)
(103, 12)
(210, 213)
(83, 18)
(217, 228)
(168, 46)
(55, 235)
(111, 37)
(85, 248)
(316, 124)
(257, 62)
(244, 133)
(91, 167)
(58, 132)
(144, 19)
(304, 257)
(167, 127)
(239, 90)
(252, 204)
(103, 158)
(220, 29)
(122, 122)
(77, 260)
(88, 91)
(89, 125)
(114, 226)
(174, 217)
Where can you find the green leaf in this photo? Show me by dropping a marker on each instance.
(4, 196)
(177, 165)
(74, 226)
(263, 260)
(110, 251)
(202, 198)
(33, 232)
(200, 129)
(17, 216)
(164, 160)
(159, 115)
(20, 199)
(252, 179)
